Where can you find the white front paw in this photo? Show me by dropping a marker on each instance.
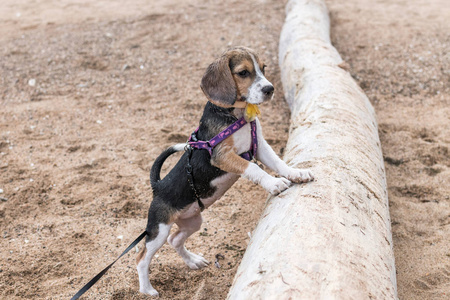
(275, 185)
(300, 175)
(149, 291)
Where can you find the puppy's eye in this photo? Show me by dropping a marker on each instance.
(263, 70)
(244, 73)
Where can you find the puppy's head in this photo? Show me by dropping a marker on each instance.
(237, 75)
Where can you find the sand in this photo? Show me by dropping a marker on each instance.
(91, 92)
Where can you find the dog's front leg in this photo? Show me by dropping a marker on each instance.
(225, 158)
(268, 157)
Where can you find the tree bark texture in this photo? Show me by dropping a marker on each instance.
(331, 238)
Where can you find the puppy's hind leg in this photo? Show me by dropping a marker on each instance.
(157, 237)
(186, 228)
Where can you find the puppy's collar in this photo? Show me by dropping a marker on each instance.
(237, 104)
(251, 110)
(240, 104)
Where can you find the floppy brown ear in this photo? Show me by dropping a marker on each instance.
(218, 84)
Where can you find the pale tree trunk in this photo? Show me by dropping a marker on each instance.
(331, 238)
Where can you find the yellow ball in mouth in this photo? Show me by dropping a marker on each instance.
(251, 112)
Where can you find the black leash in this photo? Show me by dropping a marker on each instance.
(99, 275)
(190, 177)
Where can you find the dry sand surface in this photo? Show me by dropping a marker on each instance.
(92, 91)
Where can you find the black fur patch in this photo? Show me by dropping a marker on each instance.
(173, 192)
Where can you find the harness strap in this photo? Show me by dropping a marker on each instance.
(249, 155)
(194, 143)
(209, 145)
(190, 179)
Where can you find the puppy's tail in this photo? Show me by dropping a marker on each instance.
(156, 168)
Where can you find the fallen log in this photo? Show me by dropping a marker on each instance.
(331, 238)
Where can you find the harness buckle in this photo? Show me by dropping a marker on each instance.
(194, 137)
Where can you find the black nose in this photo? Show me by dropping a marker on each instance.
(268, 90)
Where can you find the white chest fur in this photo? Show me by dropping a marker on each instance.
(242, 139)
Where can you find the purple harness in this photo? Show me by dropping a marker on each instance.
(209, 145)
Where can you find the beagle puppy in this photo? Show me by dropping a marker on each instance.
(229, 83)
